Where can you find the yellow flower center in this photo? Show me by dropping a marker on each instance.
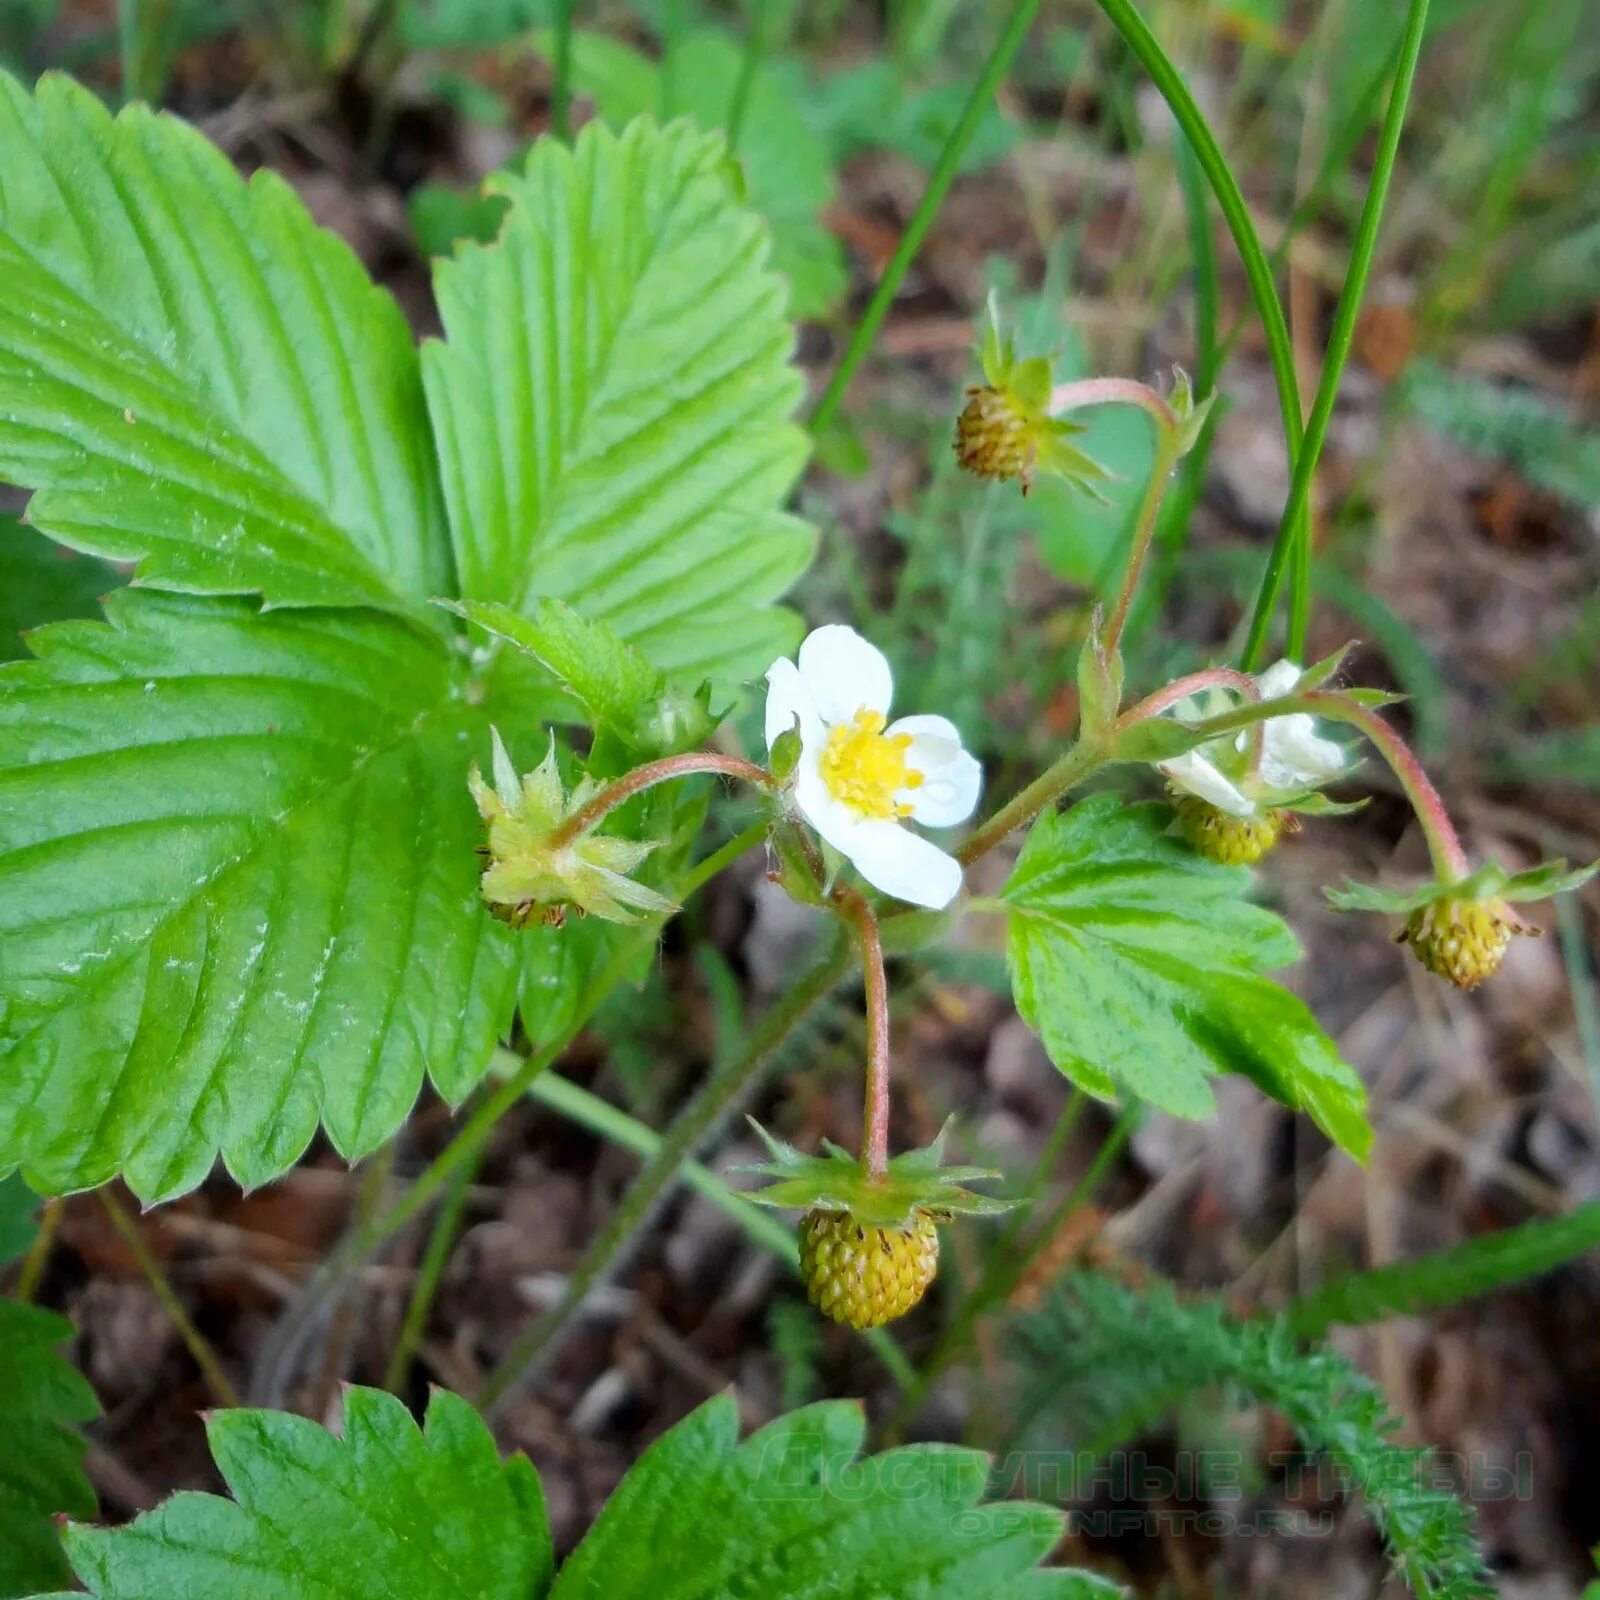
(866, 767)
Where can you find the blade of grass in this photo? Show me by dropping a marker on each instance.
(561, 89)
(1447, 1277)
(1291, 547)
(944, 171)
(1230, 200)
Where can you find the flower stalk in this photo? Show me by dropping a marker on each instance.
(623, 789)
(1444, 844)
(875, 1111)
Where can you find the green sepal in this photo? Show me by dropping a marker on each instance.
(789, 865)
(834, 1181)
(1490, 882)
(1099, 681)
(1192, 414)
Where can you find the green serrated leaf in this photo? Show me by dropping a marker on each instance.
(1139, 964)
(194, 376)
(241, 890)
(793, 1512)
(434, 1514)
(612, 403)
(430, 1513)
(41, 1471)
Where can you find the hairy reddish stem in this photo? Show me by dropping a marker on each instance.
(1112, 392)
(1444, 845)
(875, 1114)
(1181, 688)
(647, 777)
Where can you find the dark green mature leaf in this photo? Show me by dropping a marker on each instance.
(388, 1509)
(195, 376)
(626, 447)
(241, 890)
(41, 1475)
(40, 583)
(1138, 963)
(793, 1513)
(18, 1208)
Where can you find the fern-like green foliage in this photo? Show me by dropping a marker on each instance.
(1541, 440)
(1103, 1361)
(1447, 1277)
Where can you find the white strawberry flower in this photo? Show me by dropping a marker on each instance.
(1295, 761)
(861, 778)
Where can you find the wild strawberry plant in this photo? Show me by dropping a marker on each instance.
(402, 743)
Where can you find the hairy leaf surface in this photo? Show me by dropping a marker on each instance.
(241, 890)
(624, 445)
(41, 1472)
(195, 376)
(1139, 964)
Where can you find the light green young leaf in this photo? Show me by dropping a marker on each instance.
(793, 1513)
(241, 891)
(427, 1513)
(611, 404)
(41, 1472)
(194, 376)
(1139, 964)
(614, 684)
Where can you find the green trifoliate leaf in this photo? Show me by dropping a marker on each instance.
(612, 403)
(792, 1513)
(41, 1472)
(1140, 965)
(240, 891)
(429, 1513)
(194, 376)
(916, 1181)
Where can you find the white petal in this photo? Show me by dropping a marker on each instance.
(1295, 756)
(844, 674)
(903, 864)
(1194, 774)
(951, 778)
(787, 700)
(1279, 679)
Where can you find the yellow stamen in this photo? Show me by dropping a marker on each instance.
(866, 768)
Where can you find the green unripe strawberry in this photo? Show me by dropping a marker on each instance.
(995, 438)
(866, 1276)
(1463, 941)
(1220, 836)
